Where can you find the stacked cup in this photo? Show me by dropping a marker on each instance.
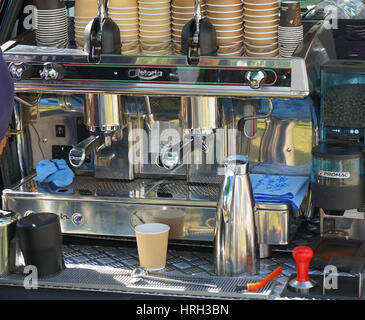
(125, 14)
(290, 28)
(182, 13)
(155, 27)
(51, 24)
(261, 20)
(85, 11)
(227, 18)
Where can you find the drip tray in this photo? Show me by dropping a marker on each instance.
(105, 269)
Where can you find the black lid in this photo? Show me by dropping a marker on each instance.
(338, 150)
(38, 220)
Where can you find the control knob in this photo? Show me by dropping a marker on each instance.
(256, 78)
(20, 70)
(52, 71)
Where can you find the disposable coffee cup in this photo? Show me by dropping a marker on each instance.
(119, 3)
(290, 14)
(130, 45)
(261, 29)
(226, 2)
(228, 40)
(229, 26)
(264, 18)
(224, 7)
(261, 35)
(125, 10)
(153, 5)
(260, 42)
(261, 49)
(173, 218)
(265, 5)
(218, 21)
(269, 54)
(260, 12)
(224, 14)
(254, 23)
(152, 241)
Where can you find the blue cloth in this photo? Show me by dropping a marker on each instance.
(6, 97)
(55, 172)
(279, 189)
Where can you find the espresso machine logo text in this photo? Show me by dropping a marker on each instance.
(144, 74)
(332, 174)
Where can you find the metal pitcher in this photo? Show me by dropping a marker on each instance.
(235, 237)
(8, 220)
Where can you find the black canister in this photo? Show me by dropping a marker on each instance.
(40, 240)
(338, 170)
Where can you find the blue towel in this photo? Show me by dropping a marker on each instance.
(279, 189)
(55, 172)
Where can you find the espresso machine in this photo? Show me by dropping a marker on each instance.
(146, 136)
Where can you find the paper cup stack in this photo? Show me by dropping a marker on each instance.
(85, 11)
(51, 27)
(290, 28)
(125, 14)
(182, 13)
(155, 27)
(227, 18)
(261, 20)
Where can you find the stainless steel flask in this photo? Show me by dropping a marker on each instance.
(8, 220)
(235, 233)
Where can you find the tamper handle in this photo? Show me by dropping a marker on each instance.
(302, 256)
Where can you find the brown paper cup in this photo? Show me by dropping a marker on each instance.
(252, 23)
(268, 5)
(262, 12)
(228, 40)
(222, 2)
(165, 10)
(290, 15)
(121, 3)
(153, 5)
(154, 40)
(130, 45)
(231, 33)
(224, 7)
(152, 241)
(261, 49)
(270, 54)
(126, 10)
(260, 42)
(261, 29)
(260, 35)
(86, 8)
(224, 14)
(263, 18)
(218, 21)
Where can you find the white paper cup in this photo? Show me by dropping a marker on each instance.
(152, 242)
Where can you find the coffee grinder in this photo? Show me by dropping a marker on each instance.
(338, 170)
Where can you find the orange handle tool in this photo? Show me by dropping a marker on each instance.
(258, 285)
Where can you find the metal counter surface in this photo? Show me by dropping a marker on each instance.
(96, 268)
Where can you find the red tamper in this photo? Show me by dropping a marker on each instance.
(302, 256)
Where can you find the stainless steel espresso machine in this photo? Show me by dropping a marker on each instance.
(146, 136)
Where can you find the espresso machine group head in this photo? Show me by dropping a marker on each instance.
(103, 116)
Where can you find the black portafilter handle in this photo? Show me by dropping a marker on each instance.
(207, 42)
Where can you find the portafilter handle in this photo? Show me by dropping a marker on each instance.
(79, 153)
